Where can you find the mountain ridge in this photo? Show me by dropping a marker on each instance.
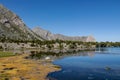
(50, 36)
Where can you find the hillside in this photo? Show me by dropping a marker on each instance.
(12, 27)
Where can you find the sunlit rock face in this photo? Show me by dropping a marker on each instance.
(47, 35)
(12, 27)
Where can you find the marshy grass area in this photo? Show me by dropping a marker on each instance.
(6, 54)
(17, 67)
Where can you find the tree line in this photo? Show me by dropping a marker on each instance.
(72, 44)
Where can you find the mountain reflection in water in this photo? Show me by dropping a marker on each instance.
(58, 54)
(103, 65)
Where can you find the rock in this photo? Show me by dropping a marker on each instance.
(47, 58)
(107, 68)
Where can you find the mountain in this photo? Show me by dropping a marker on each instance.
(12, 27)
(47, 35)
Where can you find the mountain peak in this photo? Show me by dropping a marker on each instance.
(42, 32)
(1, 6)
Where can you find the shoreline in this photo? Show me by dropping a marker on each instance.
(19, 68)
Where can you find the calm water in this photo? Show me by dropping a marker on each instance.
(98, 65)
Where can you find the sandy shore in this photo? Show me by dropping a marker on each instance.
(19, 68)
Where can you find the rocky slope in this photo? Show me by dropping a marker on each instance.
(12, 27)
(47, 35)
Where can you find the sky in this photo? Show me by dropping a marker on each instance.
(99, 18)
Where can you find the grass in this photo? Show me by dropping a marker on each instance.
(6, 54)
(19, 68)
(4, 77)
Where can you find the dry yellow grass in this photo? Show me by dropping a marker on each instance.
(18, 68)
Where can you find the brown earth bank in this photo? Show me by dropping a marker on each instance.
(19, 68)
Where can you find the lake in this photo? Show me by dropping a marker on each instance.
(101, 64)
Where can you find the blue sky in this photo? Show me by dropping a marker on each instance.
(100, 18)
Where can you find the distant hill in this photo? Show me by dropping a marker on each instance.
(47, 35)
(12, 27)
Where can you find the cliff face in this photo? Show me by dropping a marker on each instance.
(47, 35)
(12, 27)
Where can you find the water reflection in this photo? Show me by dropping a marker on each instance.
(58, 54)
(102, 65)
(108, 49)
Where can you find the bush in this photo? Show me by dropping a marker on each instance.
(1, 47)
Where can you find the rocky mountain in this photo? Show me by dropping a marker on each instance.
(47, 35)
(12, 27)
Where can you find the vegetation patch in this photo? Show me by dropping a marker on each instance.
(55, 66)
(6, 54)
(4, 76)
